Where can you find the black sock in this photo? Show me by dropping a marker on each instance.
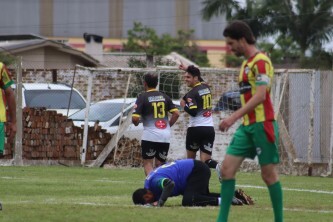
(211, 163)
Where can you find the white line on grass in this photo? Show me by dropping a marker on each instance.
(289, 189)
(126, 205)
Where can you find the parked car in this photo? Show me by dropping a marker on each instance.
(228, 101)
(52, 97)
(108, 113)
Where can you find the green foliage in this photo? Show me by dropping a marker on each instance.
(319, 60)
(144, 39)
(134, 62)
(284, 50)
(307, 23)
(232, 61)
(7, 59)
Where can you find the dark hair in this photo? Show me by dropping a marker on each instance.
(239, 29)
(137, 196)
(194, 71)
(151, 80)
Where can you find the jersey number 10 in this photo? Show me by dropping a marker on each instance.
(207, 101)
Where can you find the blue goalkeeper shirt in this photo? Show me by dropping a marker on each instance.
(177, 171)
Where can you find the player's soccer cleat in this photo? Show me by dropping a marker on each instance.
(0, 206)
(241, 195)
(218, 171)
(236, 201)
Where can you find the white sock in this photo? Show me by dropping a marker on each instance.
(219, 201)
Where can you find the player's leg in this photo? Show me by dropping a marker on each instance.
(162, 150)
(207, 137)
(271, 178)
(2, 144)
(2, 138)
(266, 141)
(236, 152)
(196, 191)
(192, 145)
(148, 153)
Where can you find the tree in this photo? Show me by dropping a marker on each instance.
(145, 39)
(7, 59)
(308, 23)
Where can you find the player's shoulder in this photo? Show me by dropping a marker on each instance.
(262, 56)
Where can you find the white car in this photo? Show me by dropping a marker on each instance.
(52, 97)
(108, 114)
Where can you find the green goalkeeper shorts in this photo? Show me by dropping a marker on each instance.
(258, 139)
(2, 137)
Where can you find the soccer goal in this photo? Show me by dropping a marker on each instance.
(302, 101)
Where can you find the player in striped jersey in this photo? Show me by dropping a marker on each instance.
(258, 135)
(152, 107)
(7, 101)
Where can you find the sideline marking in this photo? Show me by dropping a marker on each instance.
(289, 189)
(126, 205)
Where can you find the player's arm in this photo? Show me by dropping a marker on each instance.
(190, 105)
(167, 188)
(174, 117)
(174, 112)
(137, 110)
(10, 98)
(258, 98)
(135, 119)
(191, 108)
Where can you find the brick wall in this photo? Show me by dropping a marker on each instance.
(48, 135)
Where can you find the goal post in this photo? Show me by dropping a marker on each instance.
(296, 95)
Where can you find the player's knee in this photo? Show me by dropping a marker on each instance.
(187, 201)
(227, 172)
(269, 178)
(211, 163)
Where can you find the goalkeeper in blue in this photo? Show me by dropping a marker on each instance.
(187, 177)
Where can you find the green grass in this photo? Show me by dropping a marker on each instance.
(59, 193)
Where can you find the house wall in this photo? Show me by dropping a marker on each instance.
(33, 59)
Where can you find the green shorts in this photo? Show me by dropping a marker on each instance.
(2, 137)
(258, 139)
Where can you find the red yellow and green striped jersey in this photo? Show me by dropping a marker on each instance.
(256, 71)
(5, 82)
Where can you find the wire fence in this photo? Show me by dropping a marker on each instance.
(302, 101)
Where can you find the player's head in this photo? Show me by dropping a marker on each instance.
(151, 80)
(192, 76)
(238, 33)
(239, 29)
(142, 196)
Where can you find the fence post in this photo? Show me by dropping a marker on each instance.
(86, 120)
(311, 125)
(330, 160)
(19, 132)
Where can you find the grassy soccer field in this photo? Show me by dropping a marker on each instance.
(58, 193)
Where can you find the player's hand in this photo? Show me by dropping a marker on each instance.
(182, 66)
(160, 203)
(226, 124)
(182, 103)
(10, 131)
(154, 204)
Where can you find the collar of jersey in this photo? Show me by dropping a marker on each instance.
(198, 84)
(151, 90)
